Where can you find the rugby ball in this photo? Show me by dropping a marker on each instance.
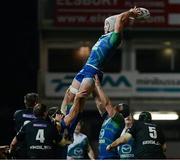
(143, 14)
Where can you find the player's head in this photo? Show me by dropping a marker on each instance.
(123, 108)
(145, 116)
(129, 121)
(78, 127)
(109, 24)
(40, 110)
(31, 99)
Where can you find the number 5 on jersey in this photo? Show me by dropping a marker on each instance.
(40, 135)
(152, 132)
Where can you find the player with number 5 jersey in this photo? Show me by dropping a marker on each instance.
(148, 137)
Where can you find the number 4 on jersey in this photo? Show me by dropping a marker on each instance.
(40, 135)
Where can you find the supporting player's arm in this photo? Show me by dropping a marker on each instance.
(76, 107)
(99, 105)
(121, 140)
(103, 99)
(65, 102)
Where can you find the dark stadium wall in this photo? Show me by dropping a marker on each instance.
(19, 61)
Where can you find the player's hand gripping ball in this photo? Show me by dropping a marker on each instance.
(143, 14)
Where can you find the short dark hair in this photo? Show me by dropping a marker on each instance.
(39, 110)
(31, 99)
(145, 116)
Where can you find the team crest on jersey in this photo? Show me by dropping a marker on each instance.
(126, 148)
(78, 151)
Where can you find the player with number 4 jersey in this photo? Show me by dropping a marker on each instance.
(40, 136)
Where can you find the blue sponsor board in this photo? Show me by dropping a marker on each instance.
(121, 85)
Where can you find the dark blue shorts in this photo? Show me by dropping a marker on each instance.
(88, 72)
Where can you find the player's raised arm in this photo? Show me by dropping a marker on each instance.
(117, 22)
(123, 19)
(103, 98)
(76, 107)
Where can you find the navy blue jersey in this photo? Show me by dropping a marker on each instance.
(40, 136)
(23, 116)
(111, 129)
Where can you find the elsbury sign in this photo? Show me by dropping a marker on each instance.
(92, 13)
(121, 85)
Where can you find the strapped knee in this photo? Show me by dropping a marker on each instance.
(73, 90)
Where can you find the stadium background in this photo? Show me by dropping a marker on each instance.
(32, 32)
